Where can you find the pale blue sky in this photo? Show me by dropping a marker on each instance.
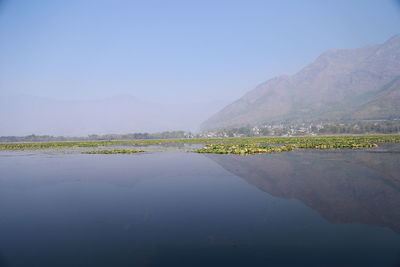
(174, 51)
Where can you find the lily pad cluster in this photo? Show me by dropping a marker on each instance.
(115, 151)
(243, 149)
(257, 148)
(333, 145)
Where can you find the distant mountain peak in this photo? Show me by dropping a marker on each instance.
(393, 39)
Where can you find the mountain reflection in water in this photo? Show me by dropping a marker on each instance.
(357, 187)
(175, 208)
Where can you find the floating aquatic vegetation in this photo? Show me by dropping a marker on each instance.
(115, 151)
(250, 145)
(328, 142)
(242, 149)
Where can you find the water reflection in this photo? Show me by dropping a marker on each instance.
(2, 261)
(182, 209)
(342, 186)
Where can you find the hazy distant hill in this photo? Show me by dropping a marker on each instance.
(25, 115)
(340, 85)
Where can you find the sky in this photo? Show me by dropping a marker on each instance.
(186, 58)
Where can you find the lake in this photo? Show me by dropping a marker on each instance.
(176, 208)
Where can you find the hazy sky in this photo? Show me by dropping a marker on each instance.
(185, 54)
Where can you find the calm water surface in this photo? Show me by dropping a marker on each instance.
(301, 208)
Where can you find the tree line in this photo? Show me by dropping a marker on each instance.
(95, 137)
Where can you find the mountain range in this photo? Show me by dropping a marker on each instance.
(26, 114)
(341, 85)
